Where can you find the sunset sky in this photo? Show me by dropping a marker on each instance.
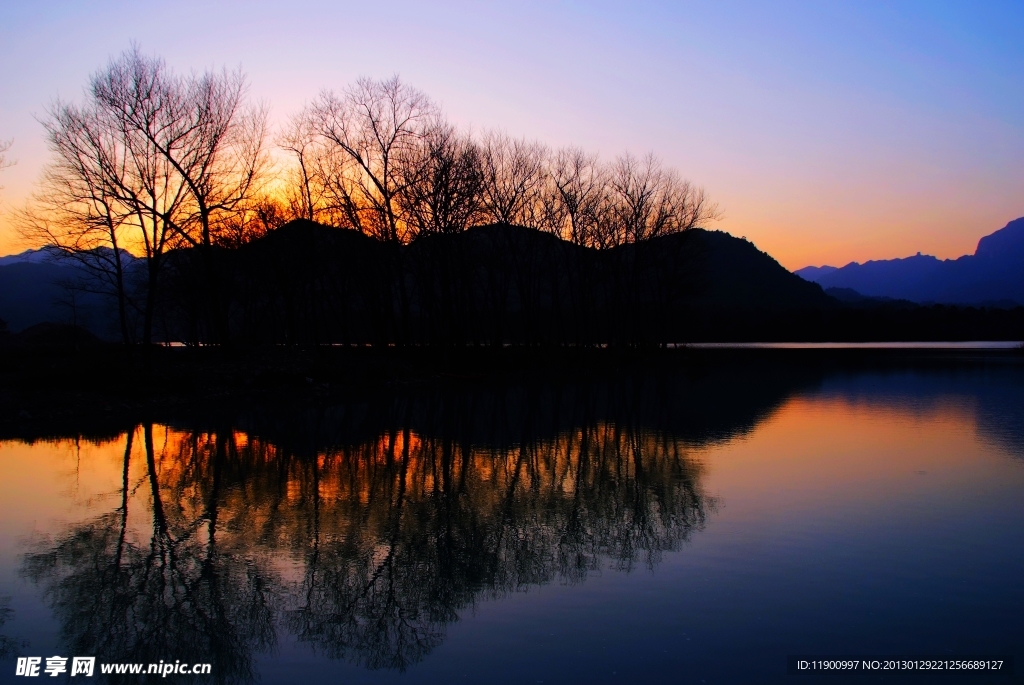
(827, 134)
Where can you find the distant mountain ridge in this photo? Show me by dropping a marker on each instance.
(812, 273)
(46, 286)
(42, 255)
(992, 276)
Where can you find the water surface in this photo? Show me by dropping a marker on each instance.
(915, 345)
(693, 526)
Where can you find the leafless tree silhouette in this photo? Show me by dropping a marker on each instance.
(306, 188)
(442, 180)
(650, 202)
(375, 127)
(582, 195)
(107, 186)
(5, 145)
(513, 177)
(150, 161)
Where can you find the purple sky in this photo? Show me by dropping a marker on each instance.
(827, 134)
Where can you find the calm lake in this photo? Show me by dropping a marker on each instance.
(693, 525)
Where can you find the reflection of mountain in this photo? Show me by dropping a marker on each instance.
(992, 393)
(364, 530)
(695, 404)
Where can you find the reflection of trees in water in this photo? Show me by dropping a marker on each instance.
(8, 646)
(180, 594)
(364, 551)
(411, 531)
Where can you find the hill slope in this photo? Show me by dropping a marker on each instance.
(737, 275)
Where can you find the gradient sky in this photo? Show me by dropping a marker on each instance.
(827, 133)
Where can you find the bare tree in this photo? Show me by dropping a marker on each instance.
(149, 161)
(581, 184)
(134, 104)
(256, 219)
(97, 195)
(5, 145)
(320, 184)
(513, 176)
(216, 145)
(650, 202)
(369, 133)
(647, 202)
(304, 186)
(374, 126)
(210, 143)
(441, 182)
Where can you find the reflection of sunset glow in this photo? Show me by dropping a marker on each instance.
(402, 531)
(809, 446)
(367, 550)
(826, 453)
(402, 464)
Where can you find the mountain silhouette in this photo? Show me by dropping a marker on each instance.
(993, 275)
(38, 288)
(320, 284)
(499, 284)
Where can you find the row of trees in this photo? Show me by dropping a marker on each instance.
(153, 162)
(381, 158)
